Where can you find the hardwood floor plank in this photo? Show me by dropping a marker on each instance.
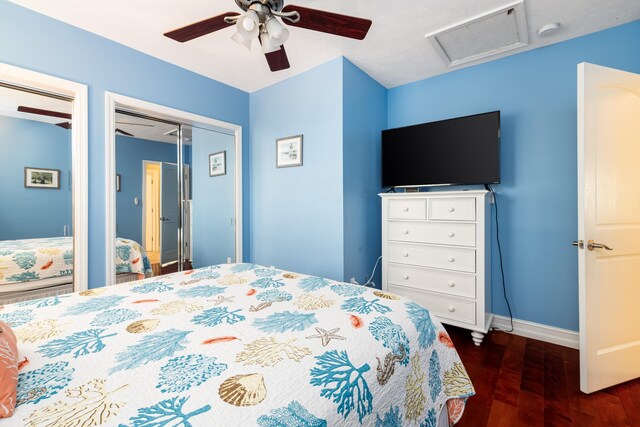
(610, 410)
(533, 368)
(474, 415)
(514, 354)
(629, 394)
(529, 409)
(507, 388)
(502, 415)
(557, 409)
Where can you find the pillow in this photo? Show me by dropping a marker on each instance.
(8, 370)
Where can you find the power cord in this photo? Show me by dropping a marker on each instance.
(504, 286)
(369, 280)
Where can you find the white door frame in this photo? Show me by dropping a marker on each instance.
(113, 100)
(144, 194)
(79, 154)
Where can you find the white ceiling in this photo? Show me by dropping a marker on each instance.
(11, 99)
(151, 130)
(395, 51)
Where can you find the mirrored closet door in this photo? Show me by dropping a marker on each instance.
(36, 194)
(211, 203)
(175, 194)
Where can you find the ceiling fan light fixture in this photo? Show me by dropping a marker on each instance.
(248, 24)
(268, 44)
(277, 31)
(241, 40)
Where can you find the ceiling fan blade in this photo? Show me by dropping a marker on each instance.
(66, 125)
(124, 132)
(278, 60)
(328, 22)
(41, 112)
(135, 124)
(200, 29)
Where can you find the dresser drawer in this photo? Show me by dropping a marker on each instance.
(441, 307)
(407, 208)
(432, 232)
(453, 209)
(421, 278)
(448, 258)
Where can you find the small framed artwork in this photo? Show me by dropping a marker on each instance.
(289, 151)
(218, 163)
(118, 178)
(41, 178)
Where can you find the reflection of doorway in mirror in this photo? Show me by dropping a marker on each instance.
(151, 206)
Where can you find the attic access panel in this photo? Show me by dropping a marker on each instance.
(492, 33)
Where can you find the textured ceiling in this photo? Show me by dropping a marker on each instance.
(395, 51)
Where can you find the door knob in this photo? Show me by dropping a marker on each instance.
(578, 243)
(591, 245)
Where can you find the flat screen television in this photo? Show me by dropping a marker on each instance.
(464, 150)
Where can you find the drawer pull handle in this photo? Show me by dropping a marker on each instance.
(405, 277)
(405, 232)
(451, 234)
(452, 309)
(452, 284)
(451, 259)
(406, 254)
(405, 209)
(452, 209)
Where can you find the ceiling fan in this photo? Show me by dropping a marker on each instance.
(260, 21)
(50, 113)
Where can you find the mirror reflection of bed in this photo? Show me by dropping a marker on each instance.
(36, 236)
(151, 153)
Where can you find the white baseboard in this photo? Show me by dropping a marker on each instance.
(538, 331)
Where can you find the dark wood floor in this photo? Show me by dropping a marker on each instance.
(525, 382)
(159, 270)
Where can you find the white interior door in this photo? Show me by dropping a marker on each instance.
(169, 212)
(608, 225)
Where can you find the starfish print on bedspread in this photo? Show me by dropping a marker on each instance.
(327, 336)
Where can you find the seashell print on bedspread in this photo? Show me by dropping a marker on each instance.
(234, 344)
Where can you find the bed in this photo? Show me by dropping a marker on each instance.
(39, 267)
(234, 344)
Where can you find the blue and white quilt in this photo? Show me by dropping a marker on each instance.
(46, 258)
(233, 345)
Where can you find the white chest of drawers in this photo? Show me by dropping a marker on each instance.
(436, 250)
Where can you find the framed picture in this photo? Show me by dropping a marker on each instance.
(118, 178)
(289, 151)
(41, 178)
(218, 163)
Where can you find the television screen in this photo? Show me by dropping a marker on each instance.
(464, 150)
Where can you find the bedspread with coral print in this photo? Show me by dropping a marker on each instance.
(132, 258)
(46, 258)
(35, 259)
(234, 344)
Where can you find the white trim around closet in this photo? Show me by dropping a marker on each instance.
(160, 111)
(79, 167)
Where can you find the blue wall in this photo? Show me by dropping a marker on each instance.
(27, 213)
(104, 65)
(130, 152)
(536, 93)
(365, 115)
(296, 212)
(213, 203)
